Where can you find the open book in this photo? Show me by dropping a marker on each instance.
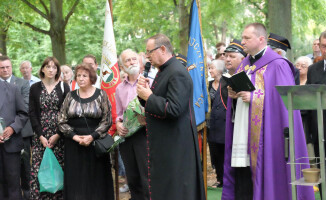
(239, 82)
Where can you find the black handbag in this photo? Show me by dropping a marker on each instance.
(101, 145)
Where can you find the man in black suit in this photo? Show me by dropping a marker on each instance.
(317, 75)
(14, 114)
(26, 132)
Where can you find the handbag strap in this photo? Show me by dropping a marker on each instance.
(82, 110)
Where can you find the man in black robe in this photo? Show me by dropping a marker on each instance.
(174, 169)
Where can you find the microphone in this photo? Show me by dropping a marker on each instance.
(286, 143)
(147, 68)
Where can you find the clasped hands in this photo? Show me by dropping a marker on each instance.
(51, 142)
(84, 140)
(6, 134)
(143, 89)
(245, 96)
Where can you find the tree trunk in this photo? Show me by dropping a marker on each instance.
(280, 20)
(3, 41)
(183, 27)
(57, 31)
(223, 30)
(216, 32)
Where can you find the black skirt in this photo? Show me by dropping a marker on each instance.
(86, 176)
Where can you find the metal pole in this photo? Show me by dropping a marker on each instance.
(321, 144)
(292, 153)
(205, 159)
(116, 170)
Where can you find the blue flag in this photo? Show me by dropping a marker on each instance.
(196, 66)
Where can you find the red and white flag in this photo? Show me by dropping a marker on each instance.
(110, 75)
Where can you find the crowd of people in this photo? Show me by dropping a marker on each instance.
(66, 110)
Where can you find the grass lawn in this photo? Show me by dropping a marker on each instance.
(216, 193)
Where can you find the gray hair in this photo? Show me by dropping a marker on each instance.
(123, 52)
(305, 59)
(26, 61)
(283, 53)
(219, 65)
(162, 40)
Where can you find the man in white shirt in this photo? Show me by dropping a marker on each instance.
(26, 70)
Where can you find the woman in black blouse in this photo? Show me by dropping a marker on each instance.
(216, 134)
(45, 100)
(84, 117)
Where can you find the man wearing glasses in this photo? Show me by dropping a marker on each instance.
(174, 169)
(14, 113)
(27, 132)
(317, 75)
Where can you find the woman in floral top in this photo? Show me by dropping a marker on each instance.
(45, 100)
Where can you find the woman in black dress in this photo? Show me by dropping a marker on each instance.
(216, 134)
(45, 101)
(84, 117)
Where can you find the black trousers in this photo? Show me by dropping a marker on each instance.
(243, 183)
(134, 155)
(217, 158)
(25, 170)
(9, 175)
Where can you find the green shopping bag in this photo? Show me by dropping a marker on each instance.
(50, 174)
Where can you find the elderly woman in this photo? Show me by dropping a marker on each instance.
(84, 117)
(302, 64)
(216, 134)
(67, 74)
(45, 99)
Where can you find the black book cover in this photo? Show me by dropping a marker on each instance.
(239, 82)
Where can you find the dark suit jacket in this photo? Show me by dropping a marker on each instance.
(316, 75)
(14, 113)
(23, 87)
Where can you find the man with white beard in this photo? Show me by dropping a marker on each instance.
(133, 149)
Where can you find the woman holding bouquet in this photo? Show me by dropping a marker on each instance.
(84, 117)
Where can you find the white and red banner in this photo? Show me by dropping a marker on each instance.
(110, 75)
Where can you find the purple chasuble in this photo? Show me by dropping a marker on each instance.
(268, 117)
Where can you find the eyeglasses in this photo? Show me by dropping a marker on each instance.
(131, 59)
(301, 66)
(151, 51)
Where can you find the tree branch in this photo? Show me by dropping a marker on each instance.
(71, 12)
(31, 26)
(35, 9)
(255, 4)
(175, 3)
(46, 9)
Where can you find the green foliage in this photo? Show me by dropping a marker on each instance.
(135, 21)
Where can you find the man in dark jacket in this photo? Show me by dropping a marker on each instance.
(27, 132)
(174, 169)
(14, 114)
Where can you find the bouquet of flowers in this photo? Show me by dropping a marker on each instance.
(131, 120)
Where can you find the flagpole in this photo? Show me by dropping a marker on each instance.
(116, 152)
(111, 9)
(205, 127)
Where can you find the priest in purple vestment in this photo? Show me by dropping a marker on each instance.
(255, 165)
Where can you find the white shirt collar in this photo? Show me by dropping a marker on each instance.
(8, 79)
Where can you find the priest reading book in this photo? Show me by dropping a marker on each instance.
(239, 82)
